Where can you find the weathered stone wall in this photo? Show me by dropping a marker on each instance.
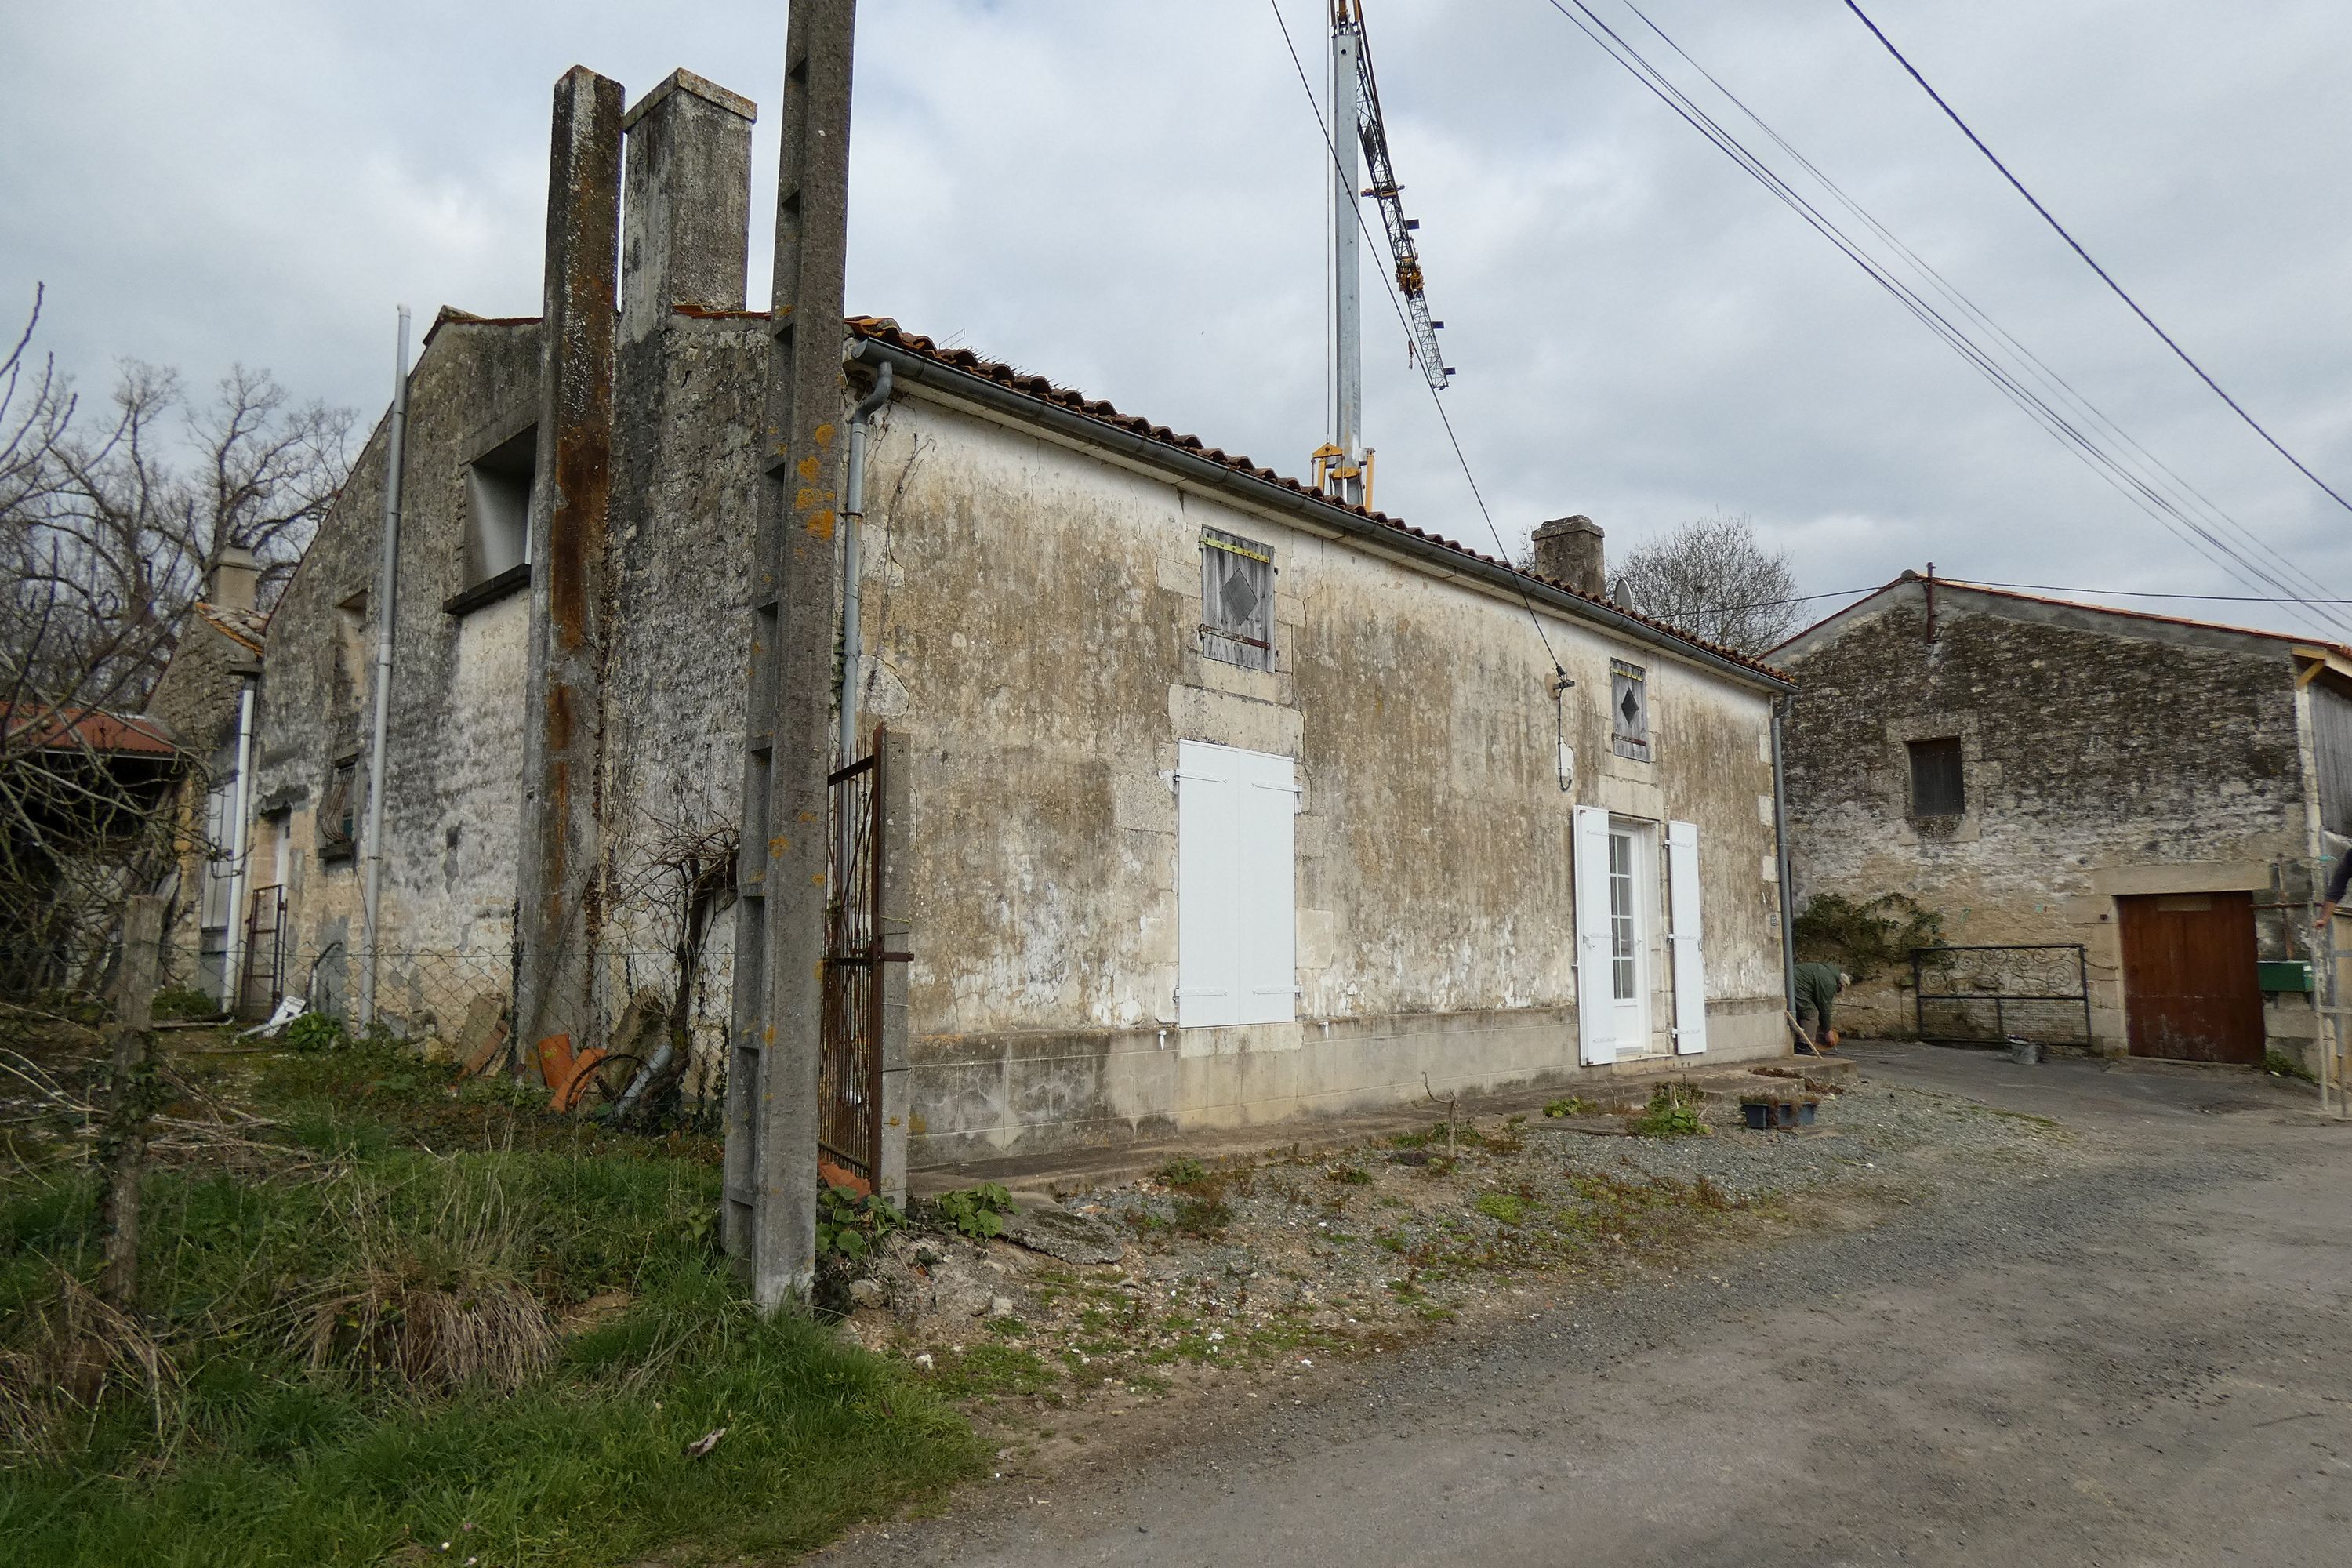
(1033, 613)
(685, 506)
(453, 777)
(2102, 756)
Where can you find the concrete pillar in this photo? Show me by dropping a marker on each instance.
(769, 1215)
(686, 220)
(1567, 550)
(558, 905)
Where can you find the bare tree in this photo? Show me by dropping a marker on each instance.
(108, 536)
(1713, 579)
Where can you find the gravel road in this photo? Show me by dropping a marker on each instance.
(2139, 1354)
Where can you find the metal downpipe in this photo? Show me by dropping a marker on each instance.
(386, 587)
(853, 517)
(1780, 858)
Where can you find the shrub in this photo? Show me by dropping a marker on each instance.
(175, 1002)
(849, 1222)
(976, 1212)
(1865, 938)
(316, 1032)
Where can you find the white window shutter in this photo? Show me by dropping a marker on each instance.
(1690, 962)
(1596, 1004)
(1236, 887)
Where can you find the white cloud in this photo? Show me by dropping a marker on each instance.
(1130, 199)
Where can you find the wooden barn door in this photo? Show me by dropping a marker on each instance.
(2189, 977)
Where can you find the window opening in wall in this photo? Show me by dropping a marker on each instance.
(1623, 929)
(498, 509)
(1935, 785)
(1236, 600)
(1629, 710)
(339, 809)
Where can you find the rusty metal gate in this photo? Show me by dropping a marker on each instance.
(1989, 994)
(849, 1066)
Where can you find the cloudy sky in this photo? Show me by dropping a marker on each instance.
(1130, 198)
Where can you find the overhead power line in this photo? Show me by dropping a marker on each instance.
(2029, 587)
(2105, 277)
(2160, 494)
(1501, 553)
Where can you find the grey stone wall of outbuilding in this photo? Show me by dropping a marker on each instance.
(453, 774)
(2102, 757)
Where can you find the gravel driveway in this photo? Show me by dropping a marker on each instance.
(2137, 1350)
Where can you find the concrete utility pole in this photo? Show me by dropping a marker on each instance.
(558, 897)
(769, 1222)
(1347, 291)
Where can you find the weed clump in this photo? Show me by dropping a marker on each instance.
(1673, 1112)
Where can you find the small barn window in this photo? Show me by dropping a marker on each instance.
(498, 509)
(1936, 786)
(1629, 710)
(338, 810)
(1236, 600)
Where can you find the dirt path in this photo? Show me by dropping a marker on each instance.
(2140, 1355)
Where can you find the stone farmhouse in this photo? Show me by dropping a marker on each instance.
(1222, 802)
(2161, 792)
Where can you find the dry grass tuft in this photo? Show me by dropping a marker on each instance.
(63, 1358)
(430, 1307)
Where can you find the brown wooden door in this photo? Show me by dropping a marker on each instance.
(2189, 977)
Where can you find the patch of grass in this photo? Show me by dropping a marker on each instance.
(1202, 1216)
(185, 1001)
(992, 1370)
(1574, 1105)
(2278, 1064)
(1505, 1208)
(1348, 1175)
(356, 1361)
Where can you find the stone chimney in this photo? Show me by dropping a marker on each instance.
(1567, 550)
(686, 205)
(235, 578)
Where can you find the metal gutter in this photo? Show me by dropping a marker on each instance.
(924, 371)
(1780, 858)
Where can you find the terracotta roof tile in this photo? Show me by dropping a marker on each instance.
(882, 329)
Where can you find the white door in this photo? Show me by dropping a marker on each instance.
(1683, 936)
(1236, 886)
(1596, 1006)
(1629, 989)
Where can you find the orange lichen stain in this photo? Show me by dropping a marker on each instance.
(767, 1035)
(808, 470)
(817, 881)
(822, 435)
(779, 844)
(821, 524)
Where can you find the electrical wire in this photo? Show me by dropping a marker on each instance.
(2164, 509)
(2105, 277)
(1502, 555)
(2029, 588)
(2059, 385)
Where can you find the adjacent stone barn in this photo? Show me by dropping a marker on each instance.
(2158, 792)
(1222, 802)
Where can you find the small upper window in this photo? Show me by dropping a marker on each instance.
(338, 810)
(1236, 600)
(498, 509)
(1936, 786)
(1629, 710)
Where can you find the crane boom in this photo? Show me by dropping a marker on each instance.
(1384, 189)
